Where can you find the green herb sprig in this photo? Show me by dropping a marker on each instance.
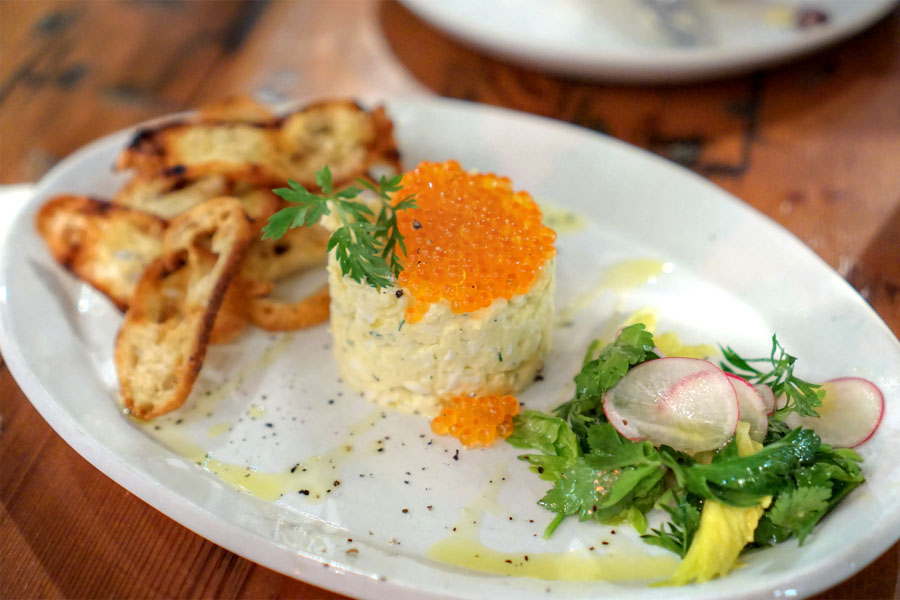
(802, 397)
(366, 246)
(676, 535)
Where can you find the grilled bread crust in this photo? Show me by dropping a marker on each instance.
(168, 197)
(179, 248)
(106, 245)
(164, 336)
(273, 315)
(234, 313)
(337, 133)
(297, 250)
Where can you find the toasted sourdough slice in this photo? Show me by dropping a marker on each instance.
(273, 315)
(265, 261)
(163, 339)
(299, 249)
(107, 246)
(234, 313)
(238, 151)
(168, 197)
(337, 133)
(259, 204)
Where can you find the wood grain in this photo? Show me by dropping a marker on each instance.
(79, 70)
(813, 145)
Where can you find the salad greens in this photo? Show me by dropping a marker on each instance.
(684, 513)
(743, 480)
(634, 345)
(791, 481)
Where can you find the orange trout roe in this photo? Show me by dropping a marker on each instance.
(471, 240)
(477, 421)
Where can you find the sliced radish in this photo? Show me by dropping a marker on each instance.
(780, 402)
(753, 409)
(686, 403)
(851, 411)
(768, 397)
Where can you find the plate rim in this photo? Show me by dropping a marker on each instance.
(674, 65)
(233, 537)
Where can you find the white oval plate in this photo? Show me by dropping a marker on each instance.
(268, 403)
(616, 39)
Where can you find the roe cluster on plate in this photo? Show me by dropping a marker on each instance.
(477, 421)
(472, 309)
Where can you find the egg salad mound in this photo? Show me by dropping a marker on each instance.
(471, 310)
(412, 366)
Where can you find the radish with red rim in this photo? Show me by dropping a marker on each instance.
(686, 403)
(752, 407)
(851, 411)
(768, 397)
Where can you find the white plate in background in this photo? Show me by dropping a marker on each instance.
(620, 40)
(274, 402)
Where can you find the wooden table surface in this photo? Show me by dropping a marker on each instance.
(815, 145)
